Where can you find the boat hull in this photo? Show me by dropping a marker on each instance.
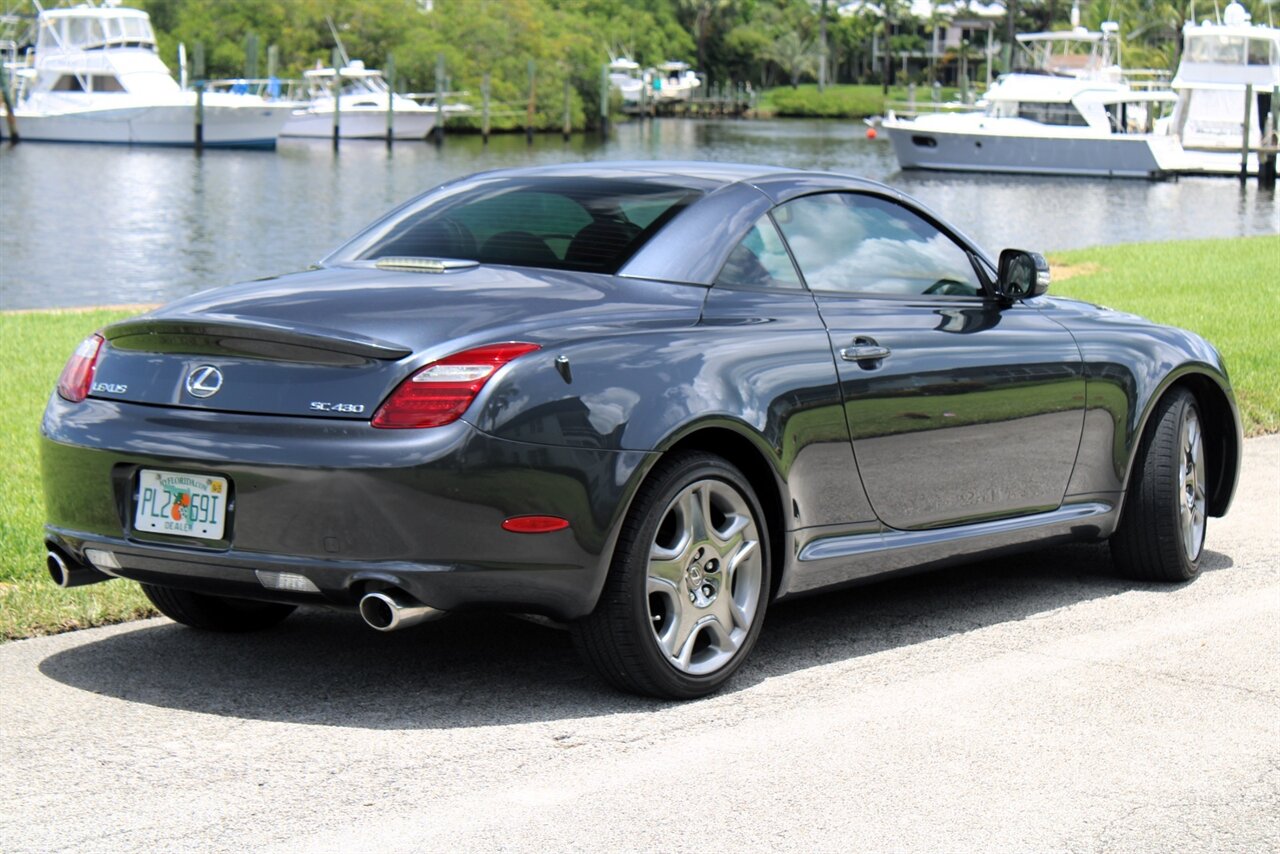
(360, 124)
(1115, 156)
(168, 125)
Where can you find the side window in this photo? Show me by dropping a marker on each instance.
(760, 260)
(852, 243)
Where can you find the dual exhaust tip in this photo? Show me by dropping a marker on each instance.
(389, 610)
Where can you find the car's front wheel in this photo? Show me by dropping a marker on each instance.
(215, 613)
(1161, 532)
(687, 591)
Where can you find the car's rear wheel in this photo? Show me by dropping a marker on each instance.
(1161, 532)
(687, 591)
(215, 613)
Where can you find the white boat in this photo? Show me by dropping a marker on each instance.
(674, 81)
(362, 107)
(1218, 61)
(625, 76)
(1073, 114)
(94, 76)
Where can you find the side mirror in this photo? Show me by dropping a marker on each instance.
(1022, 274)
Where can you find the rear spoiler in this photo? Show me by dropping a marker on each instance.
(166, 334)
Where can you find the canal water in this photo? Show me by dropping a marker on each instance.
(93, 225)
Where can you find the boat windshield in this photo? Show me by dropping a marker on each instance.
(364, 85)
(564, 223)
(1229, 50)
(94, 32)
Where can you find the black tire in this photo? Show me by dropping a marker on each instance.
(725, 578)
(215, 613)
(1151, 542)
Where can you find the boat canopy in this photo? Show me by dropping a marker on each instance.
(87, 28)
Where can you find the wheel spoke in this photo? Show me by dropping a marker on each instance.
(744, 551)
(725, 639)
(729, 535)
(683, 638)
(664, 577)
(694, 512)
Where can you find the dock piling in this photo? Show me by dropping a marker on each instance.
(533, 101)
(391, 98)
(10, 120)
(1244, 137)
(337, 97)
(484, 108)
(604, 101)
(567, 129)
(440, 90)
(199, 129)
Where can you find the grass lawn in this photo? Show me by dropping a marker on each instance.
(1227, 290)
(843, 101)
(33, 349)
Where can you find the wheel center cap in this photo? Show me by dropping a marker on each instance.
(694, 572)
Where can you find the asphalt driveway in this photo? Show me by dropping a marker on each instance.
(1029, 703)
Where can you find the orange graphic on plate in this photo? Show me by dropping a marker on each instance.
(181, 501)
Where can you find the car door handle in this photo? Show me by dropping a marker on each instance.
(863, 351)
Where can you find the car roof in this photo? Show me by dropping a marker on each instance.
(708, 174)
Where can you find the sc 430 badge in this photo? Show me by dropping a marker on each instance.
(347, 408)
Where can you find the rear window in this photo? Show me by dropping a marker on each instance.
(586, 224)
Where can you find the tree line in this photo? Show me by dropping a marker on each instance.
(764, 42)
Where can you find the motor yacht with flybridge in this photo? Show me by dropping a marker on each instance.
(1219, 61)
(94, 75)
(1071, 111)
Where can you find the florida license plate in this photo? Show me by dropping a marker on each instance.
(183, 505)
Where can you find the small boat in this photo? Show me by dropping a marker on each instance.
(625, 76)
(1218, 61)
(94, 75)
(362, 106)
(674, 81)
(1071, 114)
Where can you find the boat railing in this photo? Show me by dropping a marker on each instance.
(911, 109)
(1148, 79)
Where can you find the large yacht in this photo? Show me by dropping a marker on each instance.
(1070, 113)
(1219, 60)
(94, 76)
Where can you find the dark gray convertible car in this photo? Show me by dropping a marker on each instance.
(644, 399)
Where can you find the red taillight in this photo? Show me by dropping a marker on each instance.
(439, 393)
(77, 376)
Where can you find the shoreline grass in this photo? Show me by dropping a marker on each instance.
(838, 101)
(1226, 290)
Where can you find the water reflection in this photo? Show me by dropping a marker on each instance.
(87, 224)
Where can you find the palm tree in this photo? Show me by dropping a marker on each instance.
(796, 56)
(702, 11)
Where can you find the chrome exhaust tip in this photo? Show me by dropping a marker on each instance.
(58, 570)
(389, 610)
(66, 573)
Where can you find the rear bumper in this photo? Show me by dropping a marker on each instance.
(342, 504)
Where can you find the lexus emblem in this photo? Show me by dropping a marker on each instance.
(204, 381)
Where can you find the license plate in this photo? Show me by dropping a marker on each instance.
(183, 505)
